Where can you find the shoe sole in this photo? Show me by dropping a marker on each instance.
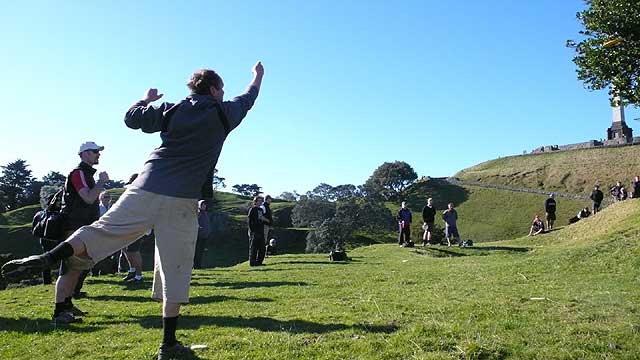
(14, 270)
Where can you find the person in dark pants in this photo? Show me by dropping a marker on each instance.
(204, 230)
(428, 218)
(256, 233)
(268, 215)
(550, 210)
(404, 224)
(635, 188)
(596, 197)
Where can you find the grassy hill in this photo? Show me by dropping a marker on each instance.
(570, 294)
(573, 171)
(484, 214)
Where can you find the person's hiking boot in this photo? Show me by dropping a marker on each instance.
(25, 267)
(177, 351)
(134, 279)
(129, 277)
(65, 318)
(73, 310)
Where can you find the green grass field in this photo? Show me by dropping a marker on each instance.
(573, 171)
(570, 294)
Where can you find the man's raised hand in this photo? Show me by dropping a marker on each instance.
(258, 69)
(152, 95)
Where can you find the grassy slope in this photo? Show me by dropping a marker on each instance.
(484, 214)
(573, 171)
(389, 303)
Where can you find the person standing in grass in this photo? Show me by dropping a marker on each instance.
(450, 217)
(615, 191)
(428, 218)
(404, 224)
(635, 188)
(550, 210)
(268, 215)
(164, 197)
(204, 229)
(255, 221)
(596, 197)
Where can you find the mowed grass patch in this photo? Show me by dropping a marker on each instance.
(572, 293)
(574, 171)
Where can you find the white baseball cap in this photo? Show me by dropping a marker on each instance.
(89, 145)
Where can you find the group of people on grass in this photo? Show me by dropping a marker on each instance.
(449, 216)
(618, 193)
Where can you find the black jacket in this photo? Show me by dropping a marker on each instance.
(77, 212)
(597, 196)
(428, 214)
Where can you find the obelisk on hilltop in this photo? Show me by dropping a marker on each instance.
(619, 132)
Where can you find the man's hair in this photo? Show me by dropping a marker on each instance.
(256, 198)
(202, 80)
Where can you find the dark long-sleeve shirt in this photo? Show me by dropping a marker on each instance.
(404, 215)
(191, 142)
(597, 196)
(450, 217)
(255, 224)
(428, 214)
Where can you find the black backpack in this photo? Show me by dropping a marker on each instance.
(49, 223)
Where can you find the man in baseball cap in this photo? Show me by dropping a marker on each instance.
(89, 145)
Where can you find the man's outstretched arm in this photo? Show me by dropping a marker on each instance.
(145, 117)
(237, 109)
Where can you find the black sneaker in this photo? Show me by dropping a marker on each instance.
(73, 310)
(130, 275)
(65, 318)
(177, 351)
(26, 267)
(80, 295)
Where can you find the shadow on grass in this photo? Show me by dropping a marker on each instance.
(256, 284)
(328, 262)
(456, 251)
(195, 300)
(41, 326)
(264, 324)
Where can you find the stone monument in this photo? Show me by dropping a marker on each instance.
(619, 133)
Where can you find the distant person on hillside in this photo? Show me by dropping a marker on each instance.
(635, 188)
(404, 225)
(596, 197)
(582, 214)
(615, 191)
(271, 247)
(550, 210)
(165, 195)
(450, 217)
(428, 218)
(204, 229)
(622, 195)
(537, 226)
(255, 221)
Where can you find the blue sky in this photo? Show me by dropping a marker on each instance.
(348, 84)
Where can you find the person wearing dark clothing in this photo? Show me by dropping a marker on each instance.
(537, 226)
(404, 225)
(635, 187)
(622, 195)
(255, 220)
(164, 196)
(582, 214)
(450, 217)
(615, 191)
(596, 197)
(204, 230)
(428, 219)
(268, 215)
(80, 207)
(550, 210)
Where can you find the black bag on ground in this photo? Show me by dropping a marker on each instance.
(49, 223)
(338, 255)
(466, 243)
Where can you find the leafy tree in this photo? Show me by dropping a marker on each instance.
(345, 192)
(54, 178)
(218, 181)
(329, 235)
(247, 189)
(289, 196)
(308, 210)
(3, 202)
(374, 216)
(390, 180)
(321, 192)
(16, 182)
(608, 55)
